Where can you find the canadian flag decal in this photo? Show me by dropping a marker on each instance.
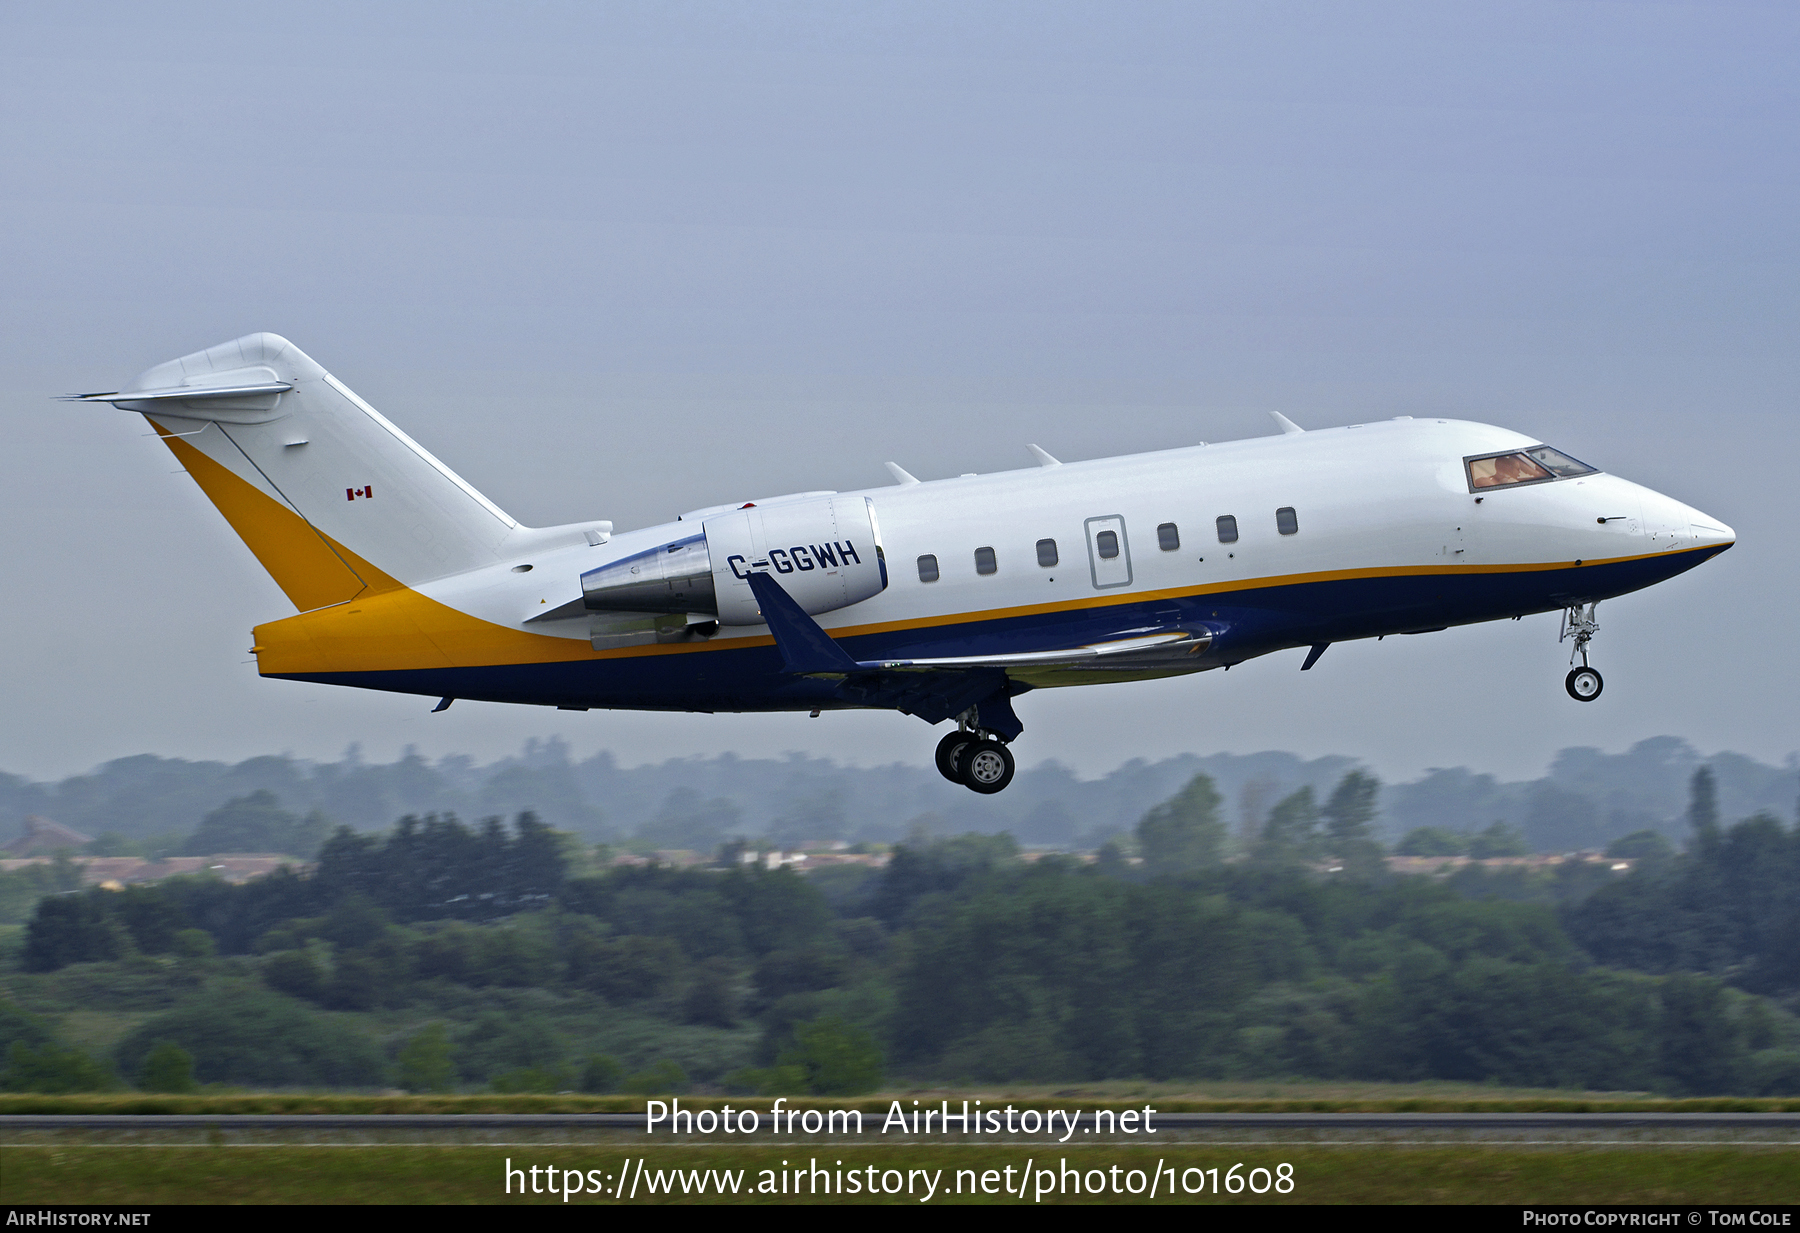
(367, 490)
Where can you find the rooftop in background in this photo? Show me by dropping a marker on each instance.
(123, 870)
(1437, 865)
(43, 835)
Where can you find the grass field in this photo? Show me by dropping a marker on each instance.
(1343, 1174)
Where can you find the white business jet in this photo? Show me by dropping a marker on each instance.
(943, 599)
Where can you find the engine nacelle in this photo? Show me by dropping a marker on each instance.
(673, 577)
(826, 553)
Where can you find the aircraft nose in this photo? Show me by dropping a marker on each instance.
(1671, 524)
(1708, 530)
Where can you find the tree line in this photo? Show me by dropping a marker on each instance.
(147, 805)
(1184, 950)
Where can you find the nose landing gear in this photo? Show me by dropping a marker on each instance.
(975, 758)
(1584, 683)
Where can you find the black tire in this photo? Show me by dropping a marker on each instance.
(986, 766)
(1584, 684)
(947, 750)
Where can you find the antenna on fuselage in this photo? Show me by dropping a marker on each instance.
(1043, 456)
(901, 474)
(1287, 426)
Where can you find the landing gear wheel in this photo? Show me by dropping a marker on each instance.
(986, 766)
(1584, 684)
(947, 750)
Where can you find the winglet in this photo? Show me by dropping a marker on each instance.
(1043, 456)
(1288, 426)
(901, 474)
(804, 647)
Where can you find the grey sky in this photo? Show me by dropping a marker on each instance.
(617, 261)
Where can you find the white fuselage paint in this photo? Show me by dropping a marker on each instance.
(1384, 496)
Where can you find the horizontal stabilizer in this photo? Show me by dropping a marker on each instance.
(183, 393)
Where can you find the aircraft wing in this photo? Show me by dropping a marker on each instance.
(807, 650)
(1155, 645)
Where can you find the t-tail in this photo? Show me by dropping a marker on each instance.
(333, 499)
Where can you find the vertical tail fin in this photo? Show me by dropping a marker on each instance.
(331, 497)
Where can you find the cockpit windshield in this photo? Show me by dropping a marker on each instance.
(1533, 466)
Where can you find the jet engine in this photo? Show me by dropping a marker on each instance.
(825, 552)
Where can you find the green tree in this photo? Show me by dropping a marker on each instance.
(54, 1071)
(112, 843)
(1112, 860)
(1184, 833)
(688, 821)
(661, 1079)
(601, 1074)
(23, 889)
(781, 972)
(69, 929)
(257, 823)
(1641, 846)
(541, 1081)
(839, 1059)
(425, 1064)
(1290, 836)
(1349, 816)
(248, 1036)
(23, 1026)
(922, 867)
(355, 984)
(296, 973)
(1433, 841)
(768, 1080)
(1703, 808)
(151, 918)
(711, 998)
(496, 1043)
(354, 921)
(1498, 839)
(1700, 1047)
(625, 969)
(168, 1068)
(193, 944)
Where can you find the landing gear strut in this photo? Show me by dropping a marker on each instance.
(1584, 683)
(975, 757)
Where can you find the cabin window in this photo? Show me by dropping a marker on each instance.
(984, 561)
(1286, 521)
(928, 570)
(1106, 543)
(1532, 466)
(1046, 549)
(1168, 538)
(1227, 529)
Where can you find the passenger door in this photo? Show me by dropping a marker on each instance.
(1109, 554)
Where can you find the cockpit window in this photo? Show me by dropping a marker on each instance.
(1560, 464)
(1532, 466)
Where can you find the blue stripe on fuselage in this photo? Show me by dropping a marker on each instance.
(1245, 623)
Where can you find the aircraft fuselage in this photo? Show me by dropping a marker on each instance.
(1387, 538)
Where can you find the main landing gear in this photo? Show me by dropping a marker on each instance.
(975, 758)
(1584, 683)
